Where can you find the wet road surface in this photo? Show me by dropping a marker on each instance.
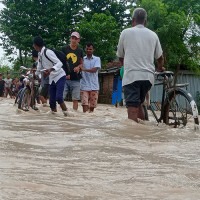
(100, 155)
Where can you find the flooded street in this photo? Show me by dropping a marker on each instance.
(100, 155)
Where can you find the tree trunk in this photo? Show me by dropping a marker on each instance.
(20, 57)
(176, 73)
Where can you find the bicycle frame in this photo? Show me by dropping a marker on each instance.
(29, 83)
(162, 104)
(172, 105)
(167, 88)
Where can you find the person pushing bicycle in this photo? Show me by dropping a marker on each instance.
(137, 48)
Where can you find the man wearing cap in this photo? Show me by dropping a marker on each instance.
(74, 56)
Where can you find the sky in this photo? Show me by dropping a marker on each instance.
(3, 59)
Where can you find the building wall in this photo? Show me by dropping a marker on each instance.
(106, 88)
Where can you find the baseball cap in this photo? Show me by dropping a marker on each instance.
(76, 34)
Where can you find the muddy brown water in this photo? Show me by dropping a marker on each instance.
(100, 155)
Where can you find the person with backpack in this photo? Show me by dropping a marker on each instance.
(57, 76)
(44, 93)
(74, 56)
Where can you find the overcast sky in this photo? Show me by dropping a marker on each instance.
(3, 60)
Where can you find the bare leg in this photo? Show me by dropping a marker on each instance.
(133, 113)
(85, 108)
(141, 112)
(54, 109)
(6, 92)
(43, 100)
(63, 106)
(75, 104)
(91, 109)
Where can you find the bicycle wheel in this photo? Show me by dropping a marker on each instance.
(24, 101)
(180, 108)
(18, 96)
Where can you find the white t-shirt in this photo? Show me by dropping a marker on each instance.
(138, 46)
(8, 82)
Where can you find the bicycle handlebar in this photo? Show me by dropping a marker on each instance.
(165, 73)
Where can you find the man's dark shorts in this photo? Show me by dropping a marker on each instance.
(135, 92)
(45, 91)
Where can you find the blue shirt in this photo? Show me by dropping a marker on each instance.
(89, 80)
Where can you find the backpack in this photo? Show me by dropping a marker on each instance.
(61, 56)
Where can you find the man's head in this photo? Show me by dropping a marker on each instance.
(8, 76)
(89, 49)
(1, 76)
(139, 17)
(38, 43)
(34, 66)
(16, 79)
(75, 38)
(35, 55)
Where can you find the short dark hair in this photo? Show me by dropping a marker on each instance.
(139, 15)
(34, 65)
(38, 41)
(90, 44)
(35, 53)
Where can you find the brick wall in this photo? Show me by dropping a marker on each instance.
(106, 88)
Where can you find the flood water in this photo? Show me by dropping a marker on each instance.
(100, 155)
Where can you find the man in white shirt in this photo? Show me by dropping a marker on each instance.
(137, 48)
(8, 82)
(57, 75)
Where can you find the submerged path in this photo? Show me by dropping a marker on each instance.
(102, 155)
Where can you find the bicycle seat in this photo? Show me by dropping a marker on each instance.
(163, 74)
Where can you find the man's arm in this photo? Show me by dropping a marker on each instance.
(160, 64)
(120, 49)
(93, 70)
(79, 67)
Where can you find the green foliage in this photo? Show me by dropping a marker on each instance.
(4, 70)
(17, 64)
(22, 21)
(116, 8)
(177, 25)
(54, 20)
(102, 32)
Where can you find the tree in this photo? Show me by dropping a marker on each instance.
(102, 31)
(174, 22)
(22, 20)
(116, 8)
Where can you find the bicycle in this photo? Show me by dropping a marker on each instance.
(27, 94)
(178, 106)
(18, 96)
